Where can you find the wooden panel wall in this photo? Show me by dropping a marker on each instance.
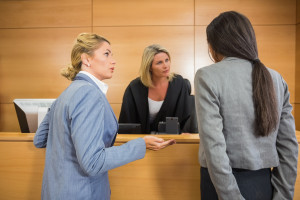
(36, 39)
(297, 74)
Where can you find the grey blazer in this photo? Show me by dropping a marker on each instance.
(225, 113)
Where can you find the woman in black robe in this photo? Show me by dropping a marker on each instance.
(168, 92)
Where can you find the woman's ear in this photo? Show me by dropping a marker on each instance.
(85, 59)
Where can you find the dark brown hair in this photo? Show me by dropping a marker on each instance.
(231, 35)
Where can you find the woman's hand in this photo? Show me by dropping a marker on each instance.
(155, 143)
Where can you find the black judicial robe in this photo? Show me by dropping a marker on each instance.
(177, 103)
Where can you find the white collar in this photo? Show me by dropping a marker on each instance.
(103, 86)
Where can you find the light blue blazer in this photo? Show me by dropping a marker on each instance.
(78, 133)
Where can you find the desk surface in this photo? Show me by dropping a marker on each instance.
(121, 138)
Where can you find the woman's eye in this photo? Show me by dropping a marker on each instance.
(106, 54)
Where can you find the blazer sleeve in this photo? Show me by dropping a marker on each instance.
(88, 133)
(284, 176)
(41, 135)
(210, 127)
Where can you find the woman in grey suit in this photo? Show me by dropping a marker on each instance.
(244, 117)
(80, 129)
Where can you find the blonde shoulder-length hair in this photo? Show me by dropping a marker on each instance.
(147, 60)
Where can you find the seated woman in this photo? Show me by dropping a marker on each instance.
(158, 94)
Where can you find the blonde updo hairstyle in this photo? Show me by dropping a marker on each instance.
(85, 43)
(147, 60)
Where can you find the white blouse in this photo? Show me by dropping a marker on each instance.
(154, 107)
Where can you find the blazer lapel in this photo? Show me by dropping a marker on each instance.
(141, 97)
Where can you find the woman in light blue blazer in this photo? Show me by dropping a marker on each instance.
(80, 129)
(244, 117)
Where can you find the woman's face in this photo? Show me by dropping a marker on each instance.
(160, 65)
(102, 64)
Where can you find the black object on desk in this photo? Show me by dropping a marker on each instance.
(130, 128)
(171, 126)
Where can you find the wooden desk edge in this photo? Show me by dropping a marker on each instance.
(121, 138)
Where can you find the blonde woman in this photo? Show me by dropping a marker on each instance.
(80, 129)
(157, 93)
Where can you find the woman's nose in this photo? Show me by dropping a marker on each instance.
(113, 61)
(165, 65)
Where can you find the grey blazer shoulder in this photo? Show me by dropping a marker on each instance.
(226, 117)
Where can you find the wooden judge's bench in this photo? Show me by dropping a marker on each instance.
(171, 173)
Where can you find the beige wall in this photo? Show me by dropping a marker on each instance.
(36, 39)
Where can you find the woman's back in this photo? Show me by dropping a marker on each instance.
(230, 84)
(244, 118)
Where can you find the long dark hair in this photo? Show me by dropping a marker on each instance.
(231, 35)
